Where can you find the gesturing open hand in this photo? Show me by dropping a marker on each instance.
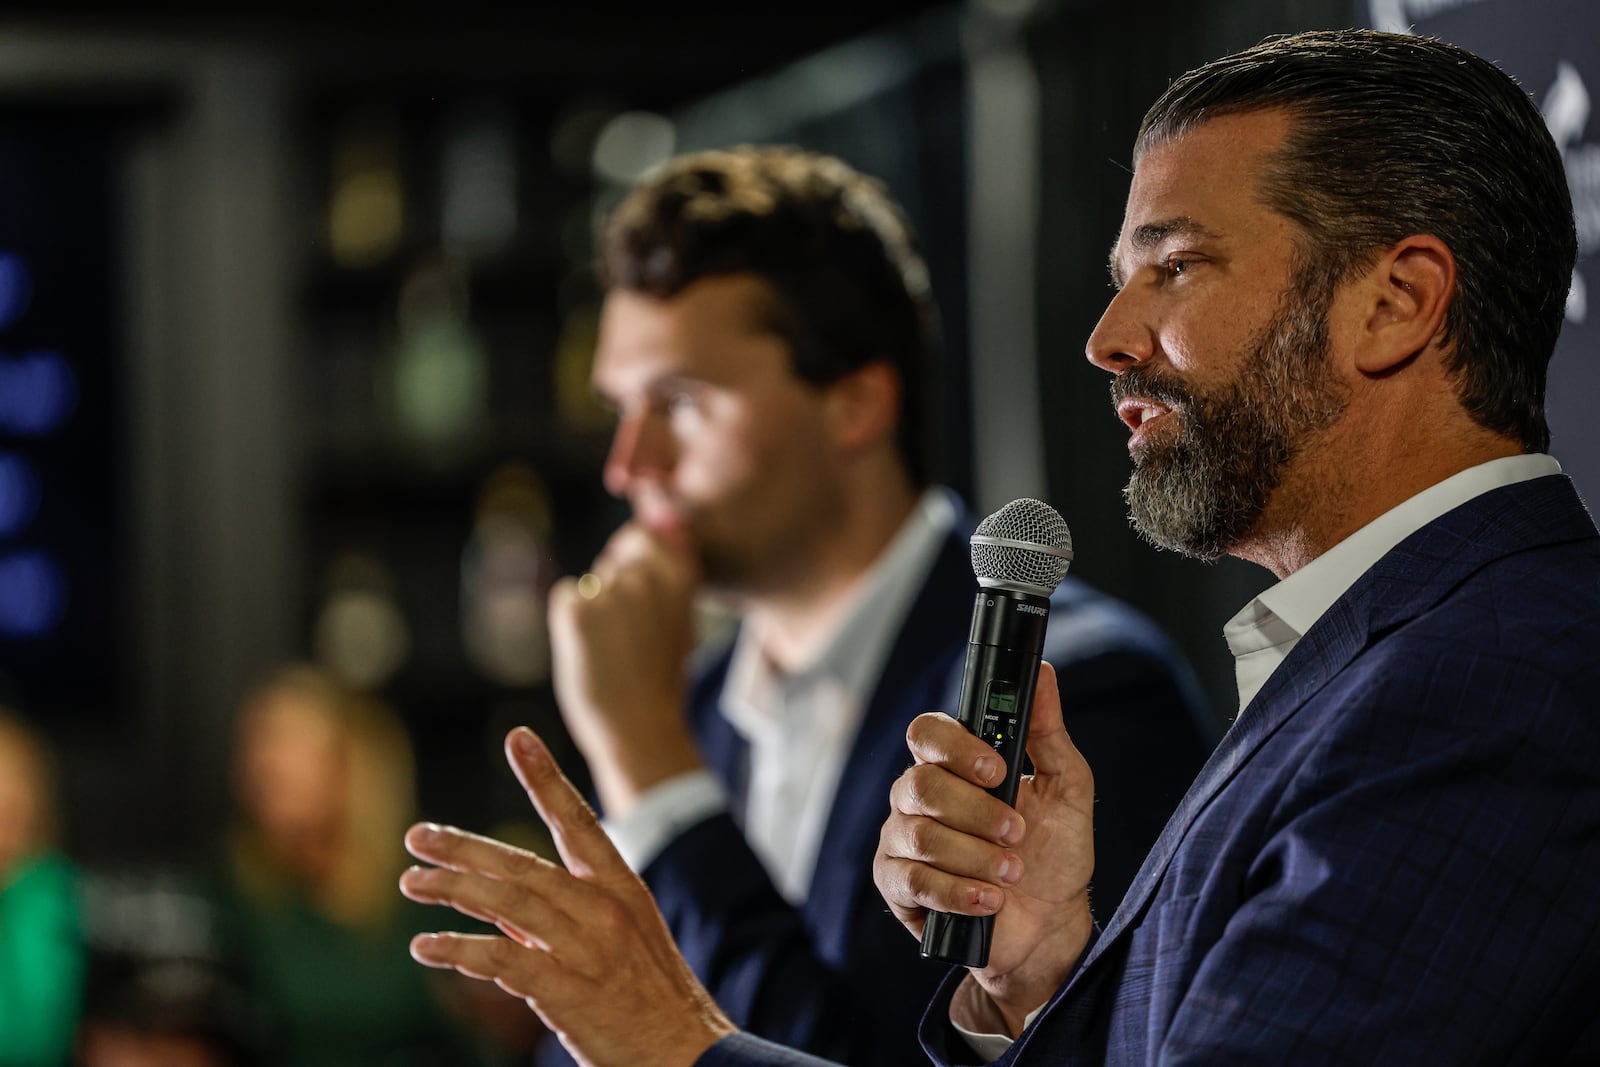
(585, 947)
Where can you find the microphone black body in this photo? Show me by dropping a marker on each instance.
(1019, 555)
(1003, 653)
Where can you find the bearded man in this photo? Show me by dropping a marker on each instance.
(1340, 279)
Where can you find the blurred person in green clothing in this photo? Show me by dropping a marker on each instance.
(41, 947)
(324, 784)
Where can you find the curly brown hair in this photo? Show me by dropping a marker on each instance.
(851, 287)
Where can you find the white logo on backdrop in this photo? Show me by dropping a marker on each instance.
(1566, 112)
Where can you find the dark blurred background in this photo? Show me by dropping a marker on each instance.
(296, 314)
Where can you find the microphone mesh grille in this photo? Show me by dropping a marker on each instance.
(1031, 521)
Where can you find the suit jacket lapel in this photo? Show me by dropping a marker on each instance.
(725, 751)
(933, 633)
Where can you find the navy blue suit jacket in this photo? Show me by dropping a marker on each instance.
(1394, 855)
(839, 975)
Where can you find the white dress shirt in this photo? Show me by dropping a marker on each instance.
(800, 726)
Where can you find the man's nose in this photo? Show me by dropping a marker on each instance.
(1121, 339)
(639, 448)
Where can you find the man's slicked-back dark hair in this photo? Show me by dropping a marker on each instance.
(837, 251)
(1392, 136)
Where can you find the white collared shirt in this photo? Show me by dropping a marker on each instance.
(1264, 631)
(799, 726)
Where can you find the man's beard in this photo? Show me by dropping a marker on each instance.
(723, 571)
(1201, 493)
(731, 568)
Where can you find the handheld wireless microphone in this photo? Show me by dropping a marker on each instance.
(1019, 554)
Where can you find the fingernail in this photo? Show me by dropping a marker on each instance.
(986, 767)
(522, 738)
(988, 898)
(1010, 869)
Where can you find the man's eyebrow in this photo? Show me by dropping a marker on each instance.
(661, 385)
(1151, 234)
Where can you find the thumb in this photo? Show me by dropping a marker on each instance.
(1051, 750)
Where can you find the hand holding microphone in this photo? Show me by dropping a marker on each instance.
(992, 871)
(1019, 555)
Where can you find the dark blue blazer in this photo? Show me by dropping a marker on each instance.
(839, 975)
(1394, 855)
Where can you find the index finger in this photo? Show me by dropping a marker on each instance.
(936, 738)
(583, 845)
(447, 846)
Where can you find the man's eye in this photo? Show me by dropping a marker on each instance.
(679, 405)
(1175, 267)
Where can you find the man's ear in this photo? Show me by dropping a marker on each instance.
(1406, 293)
(864, 405)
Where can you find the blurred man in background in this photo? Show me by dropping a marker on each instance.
(766, 342)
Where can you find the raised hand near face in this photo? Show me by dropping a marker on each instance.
(620, 640)
(950, 846)
(585, 947)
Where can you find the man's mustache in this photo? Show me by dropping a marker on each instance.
(1148, 384)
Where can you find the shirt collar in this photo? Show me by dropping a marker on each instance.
(1286, 611)
(854, 656)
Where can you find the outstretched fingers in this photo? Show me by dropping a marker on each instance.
(446, 846)
(527, 897)
(583, 844)
(529, 910)
(584, 946)
(484, 957)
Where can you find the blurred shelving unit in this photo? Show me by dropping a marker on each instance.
(450, 451)
(346, 415)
